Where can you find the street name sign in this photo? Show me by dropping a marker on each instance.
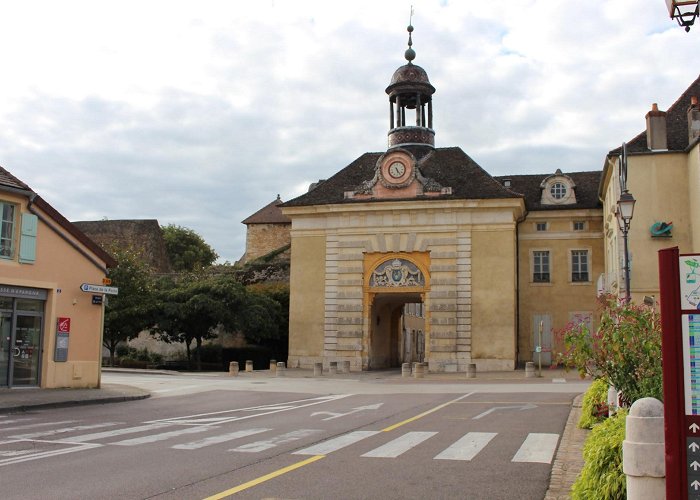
(110, 290)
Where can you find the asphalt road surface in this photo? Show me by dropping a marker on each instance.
(214, 443)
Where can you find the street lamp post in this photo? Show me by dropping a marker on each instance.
(625, 210)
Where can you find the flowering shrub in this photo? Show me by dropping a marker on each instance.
(625, 351)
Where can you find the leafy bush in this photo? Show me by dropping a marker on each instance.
(625, 351)
(602, 477)
(594, 408)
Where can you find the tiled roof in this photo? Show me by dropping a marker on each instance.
(529, 185)
(450, 167)
(676, 124)
(10, 181)
(269, 214)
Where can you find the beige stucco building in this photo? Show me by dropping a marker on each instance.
(486, 258)
(663, 174)
(50, 330)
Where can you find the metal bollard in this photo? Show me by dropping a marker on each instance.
(530, 369)
(419, 370)
(273, 365)
(318, 369)
(471, 370)
(233, 368)
(281, 369)
(406, 370)
(333, 368)
(345, 366)
(249, 365)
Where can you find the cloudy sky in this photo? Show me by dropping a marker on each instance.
(200, 113)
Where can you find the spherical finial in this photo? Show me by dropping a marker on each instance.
(410, 54)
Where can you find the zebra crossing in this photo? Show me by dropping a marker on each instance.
(31, 441)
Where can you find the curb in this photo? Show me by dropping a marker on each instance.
(568, 461)
(69, 403)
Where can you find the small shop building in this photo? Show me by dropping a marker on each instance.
(50, 330)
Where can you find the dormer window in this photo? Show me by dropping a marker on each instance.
(558, 189)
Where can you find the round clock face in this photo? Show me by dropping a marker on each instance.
(397, 169)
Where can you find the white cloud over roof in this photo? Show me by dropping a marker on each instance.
(199, 113)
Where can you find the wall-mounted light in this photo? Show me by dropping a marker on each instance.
(683, 11)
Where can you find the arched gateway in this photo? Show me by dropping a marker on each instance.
(390, 283)
(420, 228)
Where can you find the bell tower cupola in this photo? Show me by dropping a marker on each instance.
(409, 91)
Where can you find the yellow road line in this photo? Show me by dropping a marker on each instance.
(264, 478)
(412, 419)
(315, 458)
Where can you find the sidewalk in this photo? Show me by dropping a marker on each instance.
(568, 460)
(15, 400)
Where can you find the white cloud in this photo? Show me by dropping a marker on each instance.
(201, 113)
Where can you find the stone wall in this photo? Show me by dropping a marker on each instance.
(262, 239)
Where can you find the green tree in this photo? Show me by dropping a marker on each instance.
(267, 317)
(192, 307)
(625, 351)
(131, 311)
(187, 250)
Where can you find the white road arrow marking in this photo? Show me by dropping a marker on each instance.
(354, 410)
(528, 406)
(695, 484)
(693, 446)
(695, 465)
(694, 427)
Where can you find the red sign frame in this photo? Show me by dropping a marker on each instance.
(63, 325)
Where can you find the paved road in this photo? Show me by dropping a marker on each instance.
(272, 444)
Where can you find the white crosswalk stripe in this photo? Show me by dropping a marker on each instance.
(400, 445)
(120, 432)
(222, 438)
(467, 447)
(334, 444)
(537, 447)
(276, 441)
(63, 430)
(162, 436)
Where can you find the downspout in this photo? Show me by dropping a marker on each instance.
(517, 286)
(31, 195)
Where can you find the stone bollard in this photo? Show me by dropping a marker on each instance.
(419, 370)
(643, 454)
(281, 369)
(471, 370)
(318, 369)
(333, 368)
(346, 366)
(248, 366)
(233, 368)
(612, 401)
(530, 369)
(273, 365)
(406, 370)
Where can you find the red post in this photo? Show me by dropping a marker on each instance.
(673, 378)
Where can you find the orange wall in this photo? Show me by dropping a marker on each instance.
(60, 269)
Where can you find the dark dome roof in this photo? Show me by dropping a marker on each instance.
(410, 73)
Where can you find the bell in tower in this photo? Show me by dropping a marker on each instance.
(410, 90)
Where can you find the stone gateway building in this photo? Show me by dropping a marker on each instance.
(487, 260)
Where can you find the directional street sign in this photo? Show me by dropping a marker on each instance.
(110, 290)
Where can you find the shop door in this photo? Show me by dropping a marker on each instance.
(25, 350)
(5, 339)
